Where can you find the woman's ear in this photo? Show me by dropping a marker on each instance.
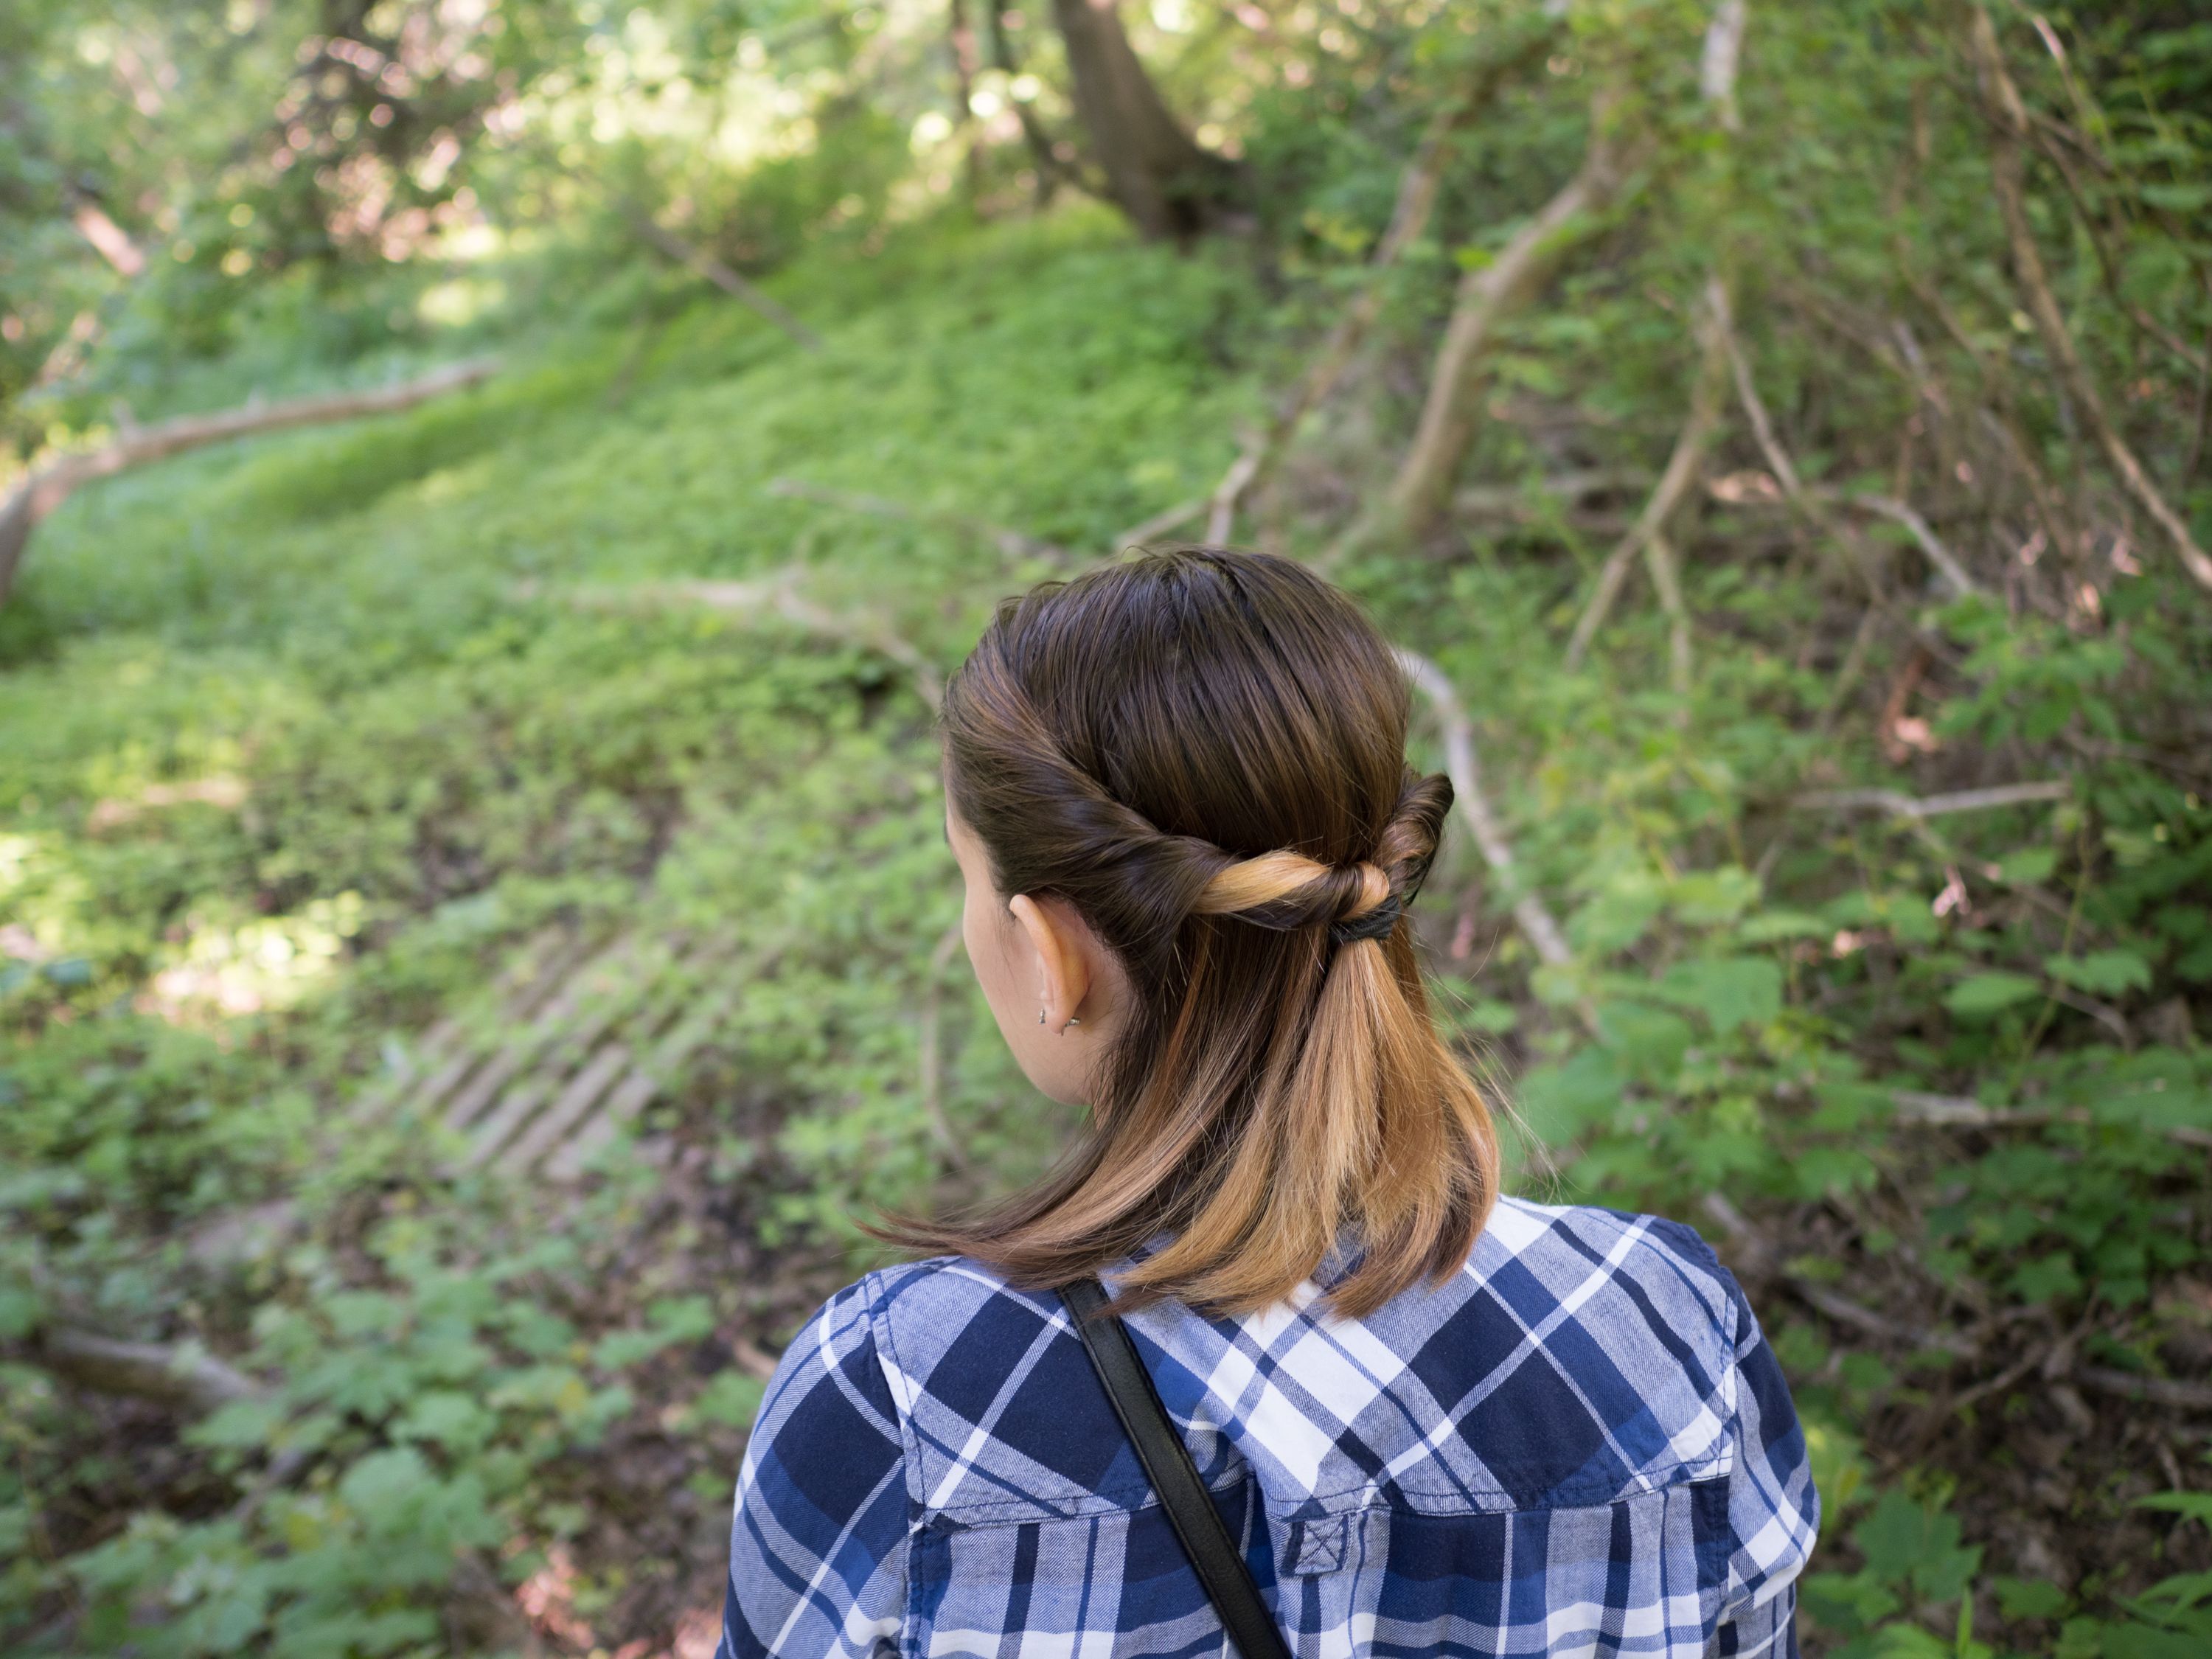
(1064, 948)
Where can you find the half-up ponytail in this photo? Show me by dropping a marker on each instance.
(1203, 752)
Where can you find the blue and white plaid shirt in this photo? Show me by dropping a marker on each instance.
(1579, 1444)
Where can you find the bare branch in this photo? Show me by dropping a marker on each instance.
(171, 1375)
(1409, 217)
(108, 240)
(1689, 453)
(1719, 63)
(1159, 524)
(1487, 296)
(1961, 1112)
(46, 487)
(1809, 500)
(1930, 807)
(1463, 765)
(1946, 562)
(2007, 170)
(703, 264)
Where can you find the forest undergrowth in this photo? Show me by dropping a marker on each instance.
(1836, 875)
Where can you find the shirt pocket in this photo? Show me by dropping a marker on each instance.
(1110, 1583)
(1641, 1576)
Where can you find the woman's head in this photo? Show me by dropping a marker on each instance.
(1178, 789)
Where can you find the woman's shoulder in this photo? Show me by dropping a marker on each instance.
(1579, 1349)
(1001, 1416)
(1581, 1251)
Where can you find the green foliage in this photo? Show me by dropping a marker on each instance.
(301, 740)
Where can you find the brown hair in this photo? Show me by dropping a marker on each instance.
(1203, 752)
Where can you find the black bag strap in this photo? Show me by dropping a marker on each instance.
(1166, 1461)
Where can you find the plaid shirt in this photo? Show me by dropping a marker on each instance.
(1579, 1444)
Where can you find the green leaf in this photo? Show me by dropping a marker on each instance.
(1765, 927)
(1618, 915)
(1892, 1537)
(2030, 867)
(1708, 898)
(2030, 1598)
(2101, 973)
(1561, 1099)
(1650, 1042)
(448, 1419)
(1728, 991)
(1984, 994)
(2197, 1505)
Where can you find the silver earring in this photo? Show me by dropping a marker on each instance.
(1039, 1016)
(1072, 1021)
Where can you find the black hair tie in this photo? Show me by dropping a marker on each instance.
(1376, 924)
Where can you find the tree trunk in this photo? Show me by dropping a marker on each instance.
(961, 37)
(1169, 187)
(1050, 168)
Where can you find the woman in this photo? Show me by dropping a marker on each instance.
(1435, 1420)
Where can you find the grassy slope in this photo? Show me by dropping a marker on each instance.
(377, 631)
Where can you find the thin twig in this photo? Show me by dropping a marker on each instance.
(2007, 169)
(1961, 1112)
(1901, 805)
(703, 264)
(1463, 765)
(1690, 444)
(1666, 581)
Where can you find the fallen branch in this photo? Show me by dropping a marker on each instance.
(1959, 1112)
(703, 264)
(1689, 452)
(46, 487)
(2158, 1390)
(1901, 805)
(179, 1376)
(1409, 217)
(1810, 501)
(1666, 582)
(1487, 296)
(1946, 562)
(1769, 1259)
(1463, 765)
(2008, 172)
